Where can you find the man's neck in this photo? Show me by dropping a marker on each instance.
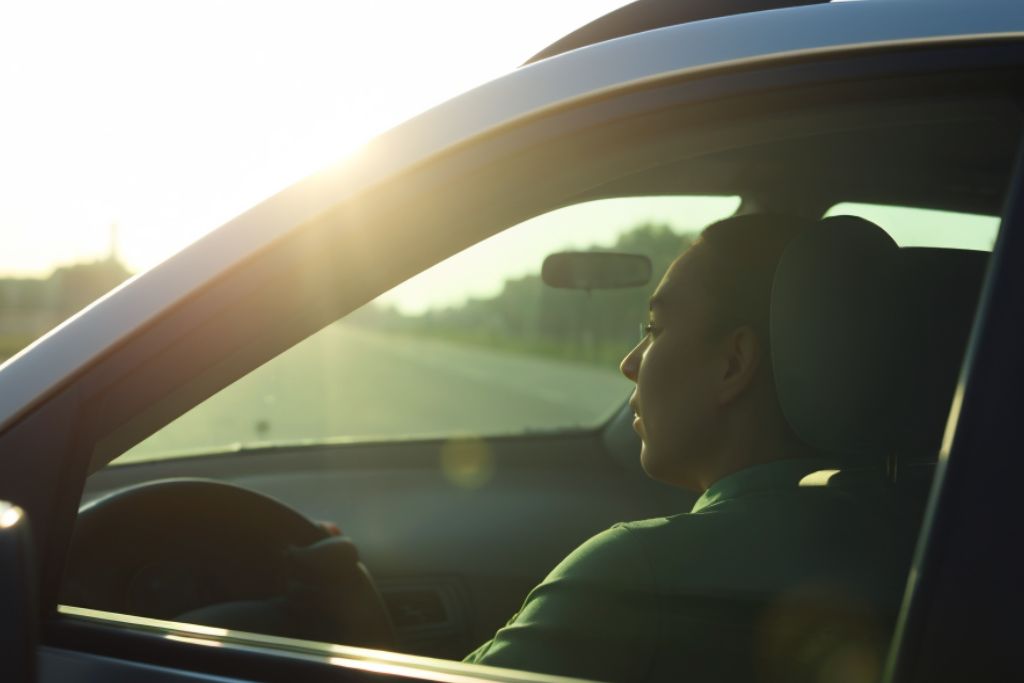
(748, 442)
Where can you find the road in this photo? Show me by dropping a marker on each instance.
(352, 383)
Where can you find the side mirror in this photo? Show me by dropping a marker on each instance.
(17, 597)
(595, 270)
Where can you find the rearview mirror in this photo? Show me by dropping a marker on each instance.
(595, 270)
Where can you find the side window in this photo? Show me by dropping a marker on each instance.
(917, 227)
(475, 346)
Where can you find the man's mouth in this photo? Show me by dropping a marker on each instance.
(638, 424)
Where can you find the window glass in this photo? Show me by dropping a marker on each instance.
(475, 346)
(914, 227)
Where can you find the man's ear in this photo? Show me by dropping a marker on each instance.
(742, 356)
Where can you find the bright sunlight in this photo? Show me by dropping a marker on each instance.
(131, 129)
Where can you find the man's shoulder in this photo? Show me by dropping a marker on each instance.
(615, 551)
(632, 535)
(672, 528)
(625, 548)
(655, 525)
(685, 533)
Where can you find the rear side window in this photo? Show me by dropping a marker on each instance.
(914, 227)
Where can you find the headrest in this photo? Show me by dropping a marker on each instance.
(867, 338)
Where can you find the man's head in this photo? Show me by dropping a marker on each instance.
(705, 397)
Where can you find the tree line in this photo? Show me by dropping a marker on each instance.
(528, 316)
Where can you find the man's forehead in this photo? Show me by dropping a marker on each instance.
(678, 277)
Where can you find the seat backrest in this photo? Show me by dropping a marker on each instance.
(868, 340)
(867, 344)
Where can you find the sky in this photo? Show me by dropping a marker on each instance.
(161, 121)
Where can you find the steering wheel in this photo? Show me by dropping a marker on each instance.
(212, 553)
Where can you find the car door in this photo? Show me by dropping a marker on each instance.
(317, 273)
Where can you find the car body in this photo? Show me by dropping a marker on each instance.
(678, 109)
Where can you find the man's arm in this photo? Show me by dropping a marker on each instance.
(596, 616)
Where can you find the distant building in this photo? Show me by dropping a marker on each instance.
(29, 307)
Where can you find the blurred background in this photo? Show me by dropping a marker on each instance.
(129, 129)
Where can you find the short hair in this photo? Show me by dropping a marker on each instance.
(737, 259)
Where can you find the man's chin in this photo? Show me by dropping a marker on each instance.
(651, 465)
(660, 470)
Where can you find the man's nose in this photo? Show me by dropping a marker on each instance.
(631, 363)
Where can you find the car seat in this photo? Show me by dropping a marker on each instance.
(867, 344)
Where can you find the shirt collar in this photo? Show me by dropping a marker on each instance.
(772, 476)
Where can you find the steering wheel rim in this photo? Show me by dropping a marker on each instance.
(170, 547)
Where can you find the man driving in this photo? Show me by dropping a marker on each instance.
(768, 576)
(765, 578)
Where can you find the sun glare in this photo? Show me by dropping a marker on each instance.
(168, 120)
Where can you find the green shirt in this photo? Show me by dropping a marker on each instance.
(761, 571)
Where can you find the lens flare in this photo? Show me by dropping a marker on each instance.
(467, 463)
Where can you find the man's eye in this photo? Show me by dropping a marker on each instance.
(648, 329)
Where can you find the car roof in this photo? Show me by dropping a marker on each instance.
(575, 76)
(646, 15)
